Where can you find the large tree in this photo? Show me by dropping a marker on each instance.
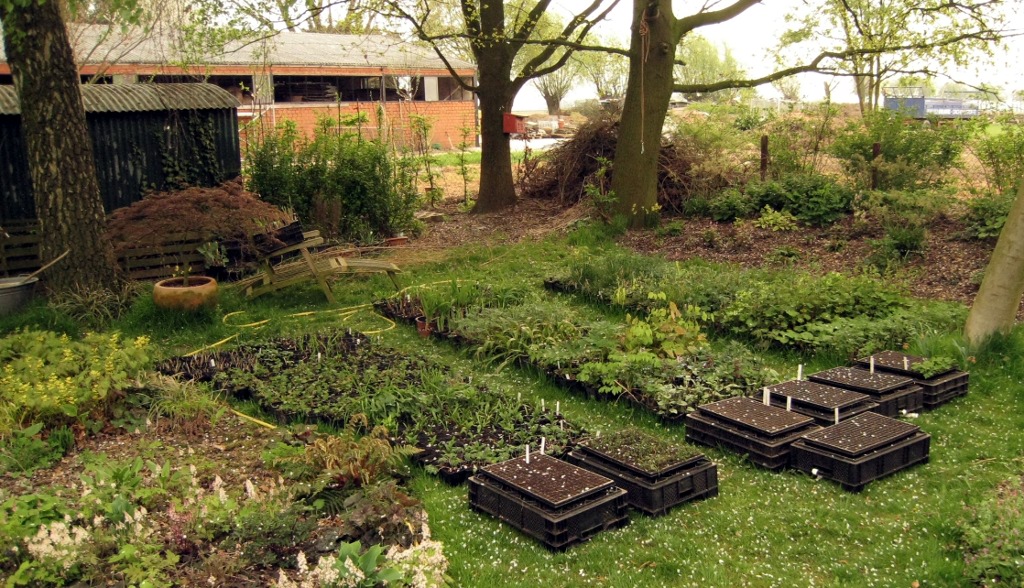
(656, 31)
(497, 32)
(995, 307)
(699, 62)
(608, 71)
(556, 85)
(59, 150)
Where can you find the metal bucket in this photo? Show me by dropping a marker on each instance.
(14, 294)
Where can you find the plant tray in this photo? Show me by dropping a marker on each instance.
(552, 482)
(617, 464)
(767, 452)
(861, 380)
(557, 530)
(861, 434)
(820, 401)
(698, 479)
(861, 450)
(766, 421)
(938, 389)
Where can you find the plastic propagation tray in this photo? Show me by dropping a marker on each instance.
(861, 450)
(894, 394)
(747, 426)
(553, 501)
(820, 401)
(937, 390)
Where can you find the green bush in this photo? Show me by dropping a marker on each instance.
(919, 206)
(812, 198)
(992, 538)
(348, 187)
(731, 204)
(903, 239)
(912, 154)
(1001, 153)
(986, 214)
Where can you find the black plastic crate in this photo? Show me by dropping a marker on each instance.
(767, 452)
(938, 389)
(853, 473)
(699, 479)
(893, 404)
(557, 530)
(819, 401)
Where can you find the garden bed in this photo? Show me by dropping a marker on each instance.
(334, 376)
(861, 450)
(764, 433)
(553, 501)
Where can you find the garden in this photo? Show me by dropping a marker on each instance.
(282, 440)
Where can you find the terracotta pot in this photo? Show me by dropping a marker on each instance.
(396, 241)
(424, 327)
(173, 294)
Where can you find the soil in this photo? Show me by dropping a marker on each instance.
(861, 379)
(547, 479)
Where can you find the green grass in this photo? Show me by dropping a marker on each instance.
(764, 529)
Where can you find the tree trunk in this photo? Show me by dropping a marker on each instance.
(497, 189)
(995, 307)
(652, 50)
(554, 104)
(58, 146)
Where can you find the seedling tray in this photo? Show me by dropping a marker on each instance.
(820, 401)
(861, 434)
(557, 530)
(699, 479)
(863, 449)
(616, 464)
(937, 390)
(892, 362)
(861, 380)
(768, 452)
(766, 421)
(552, 482)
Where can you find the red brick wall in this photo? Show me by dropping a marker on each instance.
(447, 118)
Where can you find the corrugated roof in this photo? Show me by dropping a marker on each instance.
(98, 44)
(138, 98)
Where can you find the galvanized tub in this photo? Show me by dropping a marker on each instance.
(15, 292)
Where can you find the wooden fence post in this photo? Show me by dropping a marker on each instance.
(876, 153)
(764, 157)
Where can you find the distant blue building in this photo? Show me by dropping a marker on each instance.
(913, 103)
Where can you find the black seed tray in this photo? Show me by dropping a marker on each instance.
(617, 464)
(861, 434)
(699, 480)
(556, 530)
(771, 453)
(856, 472)
(550, 481)
(892, 362)
(910, 399)
(819, 401)
(860, 380)
(764, 420)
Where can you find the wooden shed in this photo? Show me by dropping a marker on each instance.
(144, 136)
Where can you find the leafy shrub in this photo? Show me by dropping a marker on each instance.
(902, 240)
(349, 187)
(1001, 153)
(25, 451)
(49, 377)
(922, 207)
(912, 155)
(812, 198)
(993, 537)
(776, 221)
(731, 204)
(786, 313)
(986, 214)
(797, 141)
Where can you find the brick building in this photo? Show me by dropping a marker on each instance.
(302, 77)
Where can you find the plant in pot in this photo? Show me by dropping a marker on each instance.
(185, 292)
(215, 258)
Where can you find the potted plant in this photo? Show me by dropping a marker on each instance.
(184, 292)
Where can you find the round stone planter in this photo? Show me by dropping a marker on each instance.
(174, 294)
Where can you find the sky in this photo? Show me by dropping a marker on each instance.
(752, 37)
